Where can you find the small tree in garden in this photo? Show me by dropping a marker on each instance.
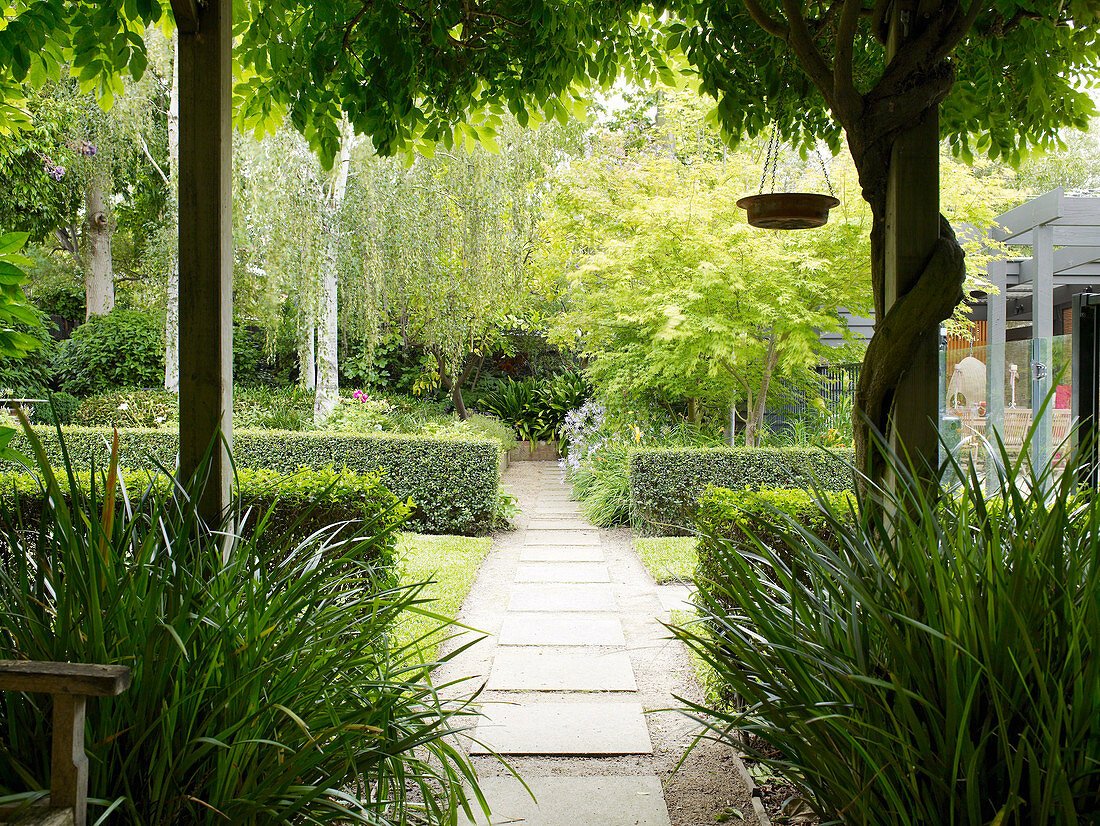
(673, 292)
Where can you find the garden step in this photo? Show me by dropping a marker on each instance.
(543, 537)
(532, 669)
(594, 729)
(558, 523)
(562, 572)
(523, 628)
(561, 597)
(613, 800)
(561, 553)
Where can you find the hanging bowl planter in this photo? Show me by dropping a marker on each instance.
(788, 210)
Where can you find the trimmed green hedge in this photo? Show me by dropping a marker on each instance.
(296, 506)
(451, 481)
(729, 519)
(665, 483)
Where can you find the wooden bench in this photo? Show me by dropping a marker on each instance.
(70, 684)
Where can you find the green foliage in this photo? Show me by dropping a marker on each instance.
(602, 484)
(447, 566)
(124, 348)
(65, 300)
(738, 519)
(15, 312)
(245, 651)
(536, 409)
(285, 408)
(926, 657)
(60, 409)
(452, 480)
(668, 558)
(665, 484)
(128, 408)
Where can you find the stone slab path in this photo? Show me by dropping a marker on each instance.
(579, 673)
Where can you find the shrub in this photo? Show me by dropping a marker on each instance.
(267, 686)
(59, 409)
(452, 481)
(536, 409)
(738, 519)
(938, 665)
(124, 348)
(65, 300)
(286, 408)
(665, 483)
(128, 408)
(296, 505)
(602, 484)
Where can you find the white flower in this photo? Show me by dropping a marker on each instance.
(124, 406)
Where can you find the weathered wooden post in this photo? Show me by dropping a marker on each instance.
(206, 243)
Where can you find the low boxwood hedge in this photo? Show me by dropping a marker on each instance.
(452, 481)
(296, 505)
(730, 519)
(665, 483)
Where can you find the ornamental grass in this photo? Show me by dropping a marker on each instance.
(935, 661)
(267, 686)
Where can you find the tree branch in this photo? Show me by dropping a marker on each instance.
(847, 97)
(775, 28)
(801, 41)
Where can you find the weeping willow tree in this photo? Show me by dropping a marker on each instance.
(279, 237)
(438, 250)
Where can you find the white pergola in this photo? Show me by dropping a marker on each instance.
(1063, 233)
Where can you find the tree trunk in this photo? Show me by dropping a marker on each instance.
(172, 298)
(328, 340)
(453, 384)
(756, 414)
(307, 352)
(99, 283)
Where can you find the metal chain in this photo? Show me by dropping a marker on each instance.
(771, 160)
(824, 171)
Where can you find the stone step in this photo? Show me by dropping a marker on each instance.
(605, 800)
(561, 553)
(558, 523)
(544, 537)
(562, 572)
(558, 597)
(596, 729)
(533, 669)
(534, 628)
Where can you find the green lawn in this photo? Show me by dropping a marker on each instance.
(450, 563)
(668, 558)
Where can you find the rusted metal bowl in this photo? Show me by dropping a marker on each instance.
(788, 210)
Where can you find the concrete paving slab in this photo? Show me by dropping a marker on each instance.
(562, 572)
(589, 729)
(562, 597)
(561, 553)
(676, 597)
(558, 523)
(609, 800)
(540, 537)
(533, 669)
(523, 628)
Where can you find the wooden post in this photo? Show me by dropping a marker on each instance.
(912, 229)
(69, 764)
(206, 245)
